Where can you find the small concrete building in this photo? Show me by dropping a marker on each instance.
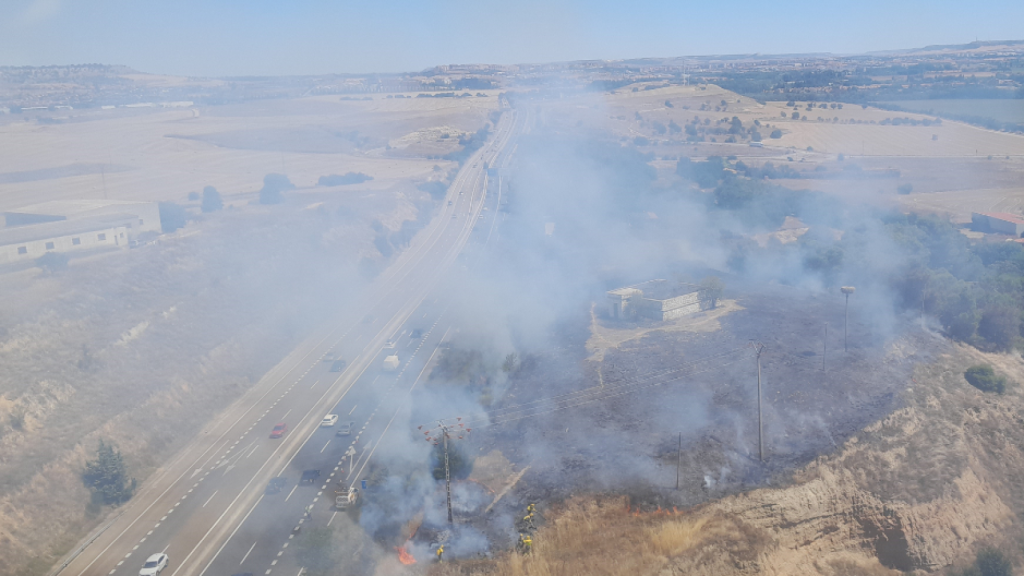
(657, 299)
(998, 222)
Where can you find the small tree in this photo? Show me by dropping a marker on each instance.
(776, 134)
(511, 364)
(984, 378)
(273, 185)
(172, 216)
(211, 200)
(106, 477)
(712, 288)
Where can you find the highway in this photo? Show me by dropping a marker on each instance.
(206, 508)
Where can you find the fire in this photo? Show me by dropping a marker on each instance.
(404, 557)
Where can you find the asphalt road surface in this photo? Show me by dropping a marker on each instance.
(207, 508)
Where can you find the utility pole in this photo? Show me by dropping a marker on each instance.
(679, 459)
(759, 348)
(447, 472)
(824, 350)
(846, 290)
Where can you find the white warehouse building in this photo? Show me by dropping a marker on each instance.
(69, 226)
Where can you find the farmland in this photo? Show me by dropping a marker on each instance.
(1003, 110)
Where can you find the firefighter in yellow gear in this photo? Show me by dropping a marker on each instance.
(525, 544)
(440, 553)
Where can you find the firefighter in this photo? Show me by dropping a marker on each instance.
(440, 553)
(525, 544)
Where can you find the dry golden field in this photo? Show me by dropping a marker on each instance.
(163, 154)
(953, 167)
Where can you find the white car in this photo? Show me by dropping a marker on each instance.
(329, 420)
(154, 565)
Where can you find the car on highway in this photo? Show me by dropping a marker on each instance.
(338, 365)
(329, 357)
(309, 476)
(416, 333)
(345, 429)
(279, 430)
(329, 420)
(154, 565)
(276, 485)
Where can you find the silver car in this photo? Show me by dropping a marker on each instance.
(154, 565)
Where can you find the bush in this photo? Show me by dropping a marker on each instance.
(172, 216)
(106, 476)
(211, 200)
(984, 378)
(776, 134)
(273, 185)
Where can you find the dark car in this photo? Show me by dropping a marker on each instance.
(276, 485)
(416, 333)
(345, 429)
(310, 476)
(279, 430)
(338, 365)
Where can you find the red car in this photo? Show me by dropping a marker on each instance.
(279, 430)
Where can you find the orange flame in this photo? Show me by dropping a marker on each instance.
(404, 557)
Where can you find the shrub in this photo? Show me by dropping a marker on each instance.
(106, 477)
(984, 378)
(211, 200)
(273, 185)
(776, 134)
(172, 216)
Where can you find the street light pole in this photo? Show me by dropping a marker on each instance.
(759, 348)
(846, 290)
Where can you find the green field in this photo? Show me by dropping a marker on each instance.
(1002, 110)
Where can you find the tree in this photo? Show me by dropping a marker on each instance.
(106, 477)
(795, 116)
(511, 364)
(1000, 325)
(776, 134)
(984, 378)
(712, 288)
(172, 216)
(991, 562)
(211, 200)
(273, 185)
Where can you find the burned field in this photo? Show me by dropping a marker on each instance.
(565, 424)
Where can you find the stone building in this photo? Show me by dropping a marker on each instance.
(657, 299)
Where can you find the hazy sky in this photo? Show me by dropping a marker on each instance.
(243, 37)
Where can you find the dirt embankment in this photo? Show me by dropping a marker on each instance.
(921, 489)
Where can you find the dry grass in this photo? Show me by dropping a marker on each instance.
(598, 538)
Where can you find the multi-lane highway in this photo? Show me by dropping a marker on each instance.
(206, 508)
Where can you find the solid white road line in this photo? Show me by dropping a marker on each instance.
(329, 523)
(210, 498)
(352, 410)
(247, 553)
(325, 447)
(290, 493)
